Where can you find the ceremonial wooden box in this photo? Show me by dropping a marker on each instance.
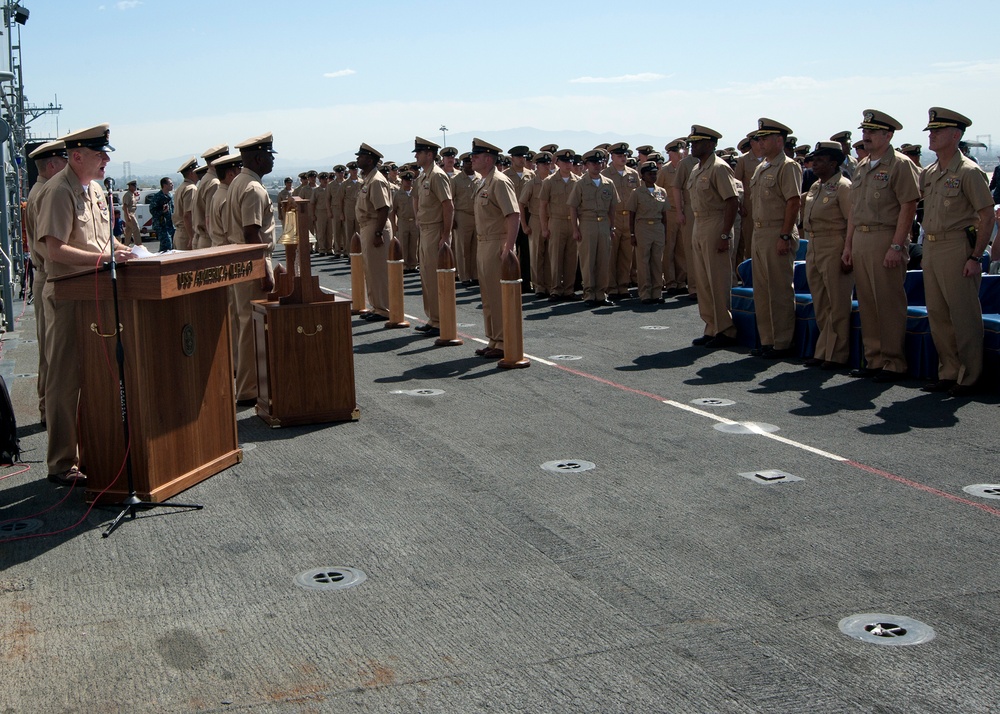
(175, 322)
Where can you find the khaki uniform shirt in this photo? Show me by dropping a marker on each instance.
(828, 206)
(320, 200)
(207, 187)
(74, 214)
(432, 190)
(711, 186)
(625, 182)
(954, 194)
(35, 247)
(283, 195)
(463, 189)
(683, 173)
(647, 205)
(351, 191)
(746, 165)
(402, 207)
(556, 192)
(593, 200)
(530, 193)
(665, 180)
(877, 192)
(495, 201)
(773, 184)
(184, 199)
(218, 212)
(129, 201)
(373, 195)
(248, 204)
(335, 196)
(519, 181)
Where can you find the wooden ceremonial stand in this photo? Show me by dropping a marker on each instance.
(305, 351)
(178, 367)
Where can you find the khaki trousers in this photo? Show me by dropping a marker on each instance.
(376, 268)
(881, 300)
(953, 309)
(132, 233)
(541, 269)
(675, 271)
(773, 294)
(712, 272)
(595, 257)
(563, 257)
(341, 246)
(649, 243)
(831, 290)
(62, 382)
(246, 345)
(408, 236)
(324, 232)
(430, 237)
(687, 241)
(465, 245)
(488, 254)
(620, 261)
(41, 321)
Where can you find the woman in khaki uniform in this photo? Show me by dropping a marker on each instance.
(592, 201)
(825, 214)
(648, 207)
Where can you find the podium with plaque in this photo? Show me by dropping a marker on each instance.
(305, 350)
(175, 327)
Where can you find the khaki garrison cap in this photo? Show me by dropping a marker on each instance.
(48, 150)
(351, 165)
(620, 148)
(858, 145)
(565, 155)
(230, 159)
(465, 156)
(874, 119)
(654, 156)
(407, 176)
(703, 133)
(842, 136)
(187, 166)
(311, 172)
(941, 118)
(302, 175)
(365, 149)
(910, 149)
(484, 147)
(543, 157)
(551, 148)
(324, 175)
(744, 145)
(449, 151)
(828, 148)
(644, 149)
(132, 182)
(802, 150)
(595, 155)
(215, 152)
(95, 138)
(263, 142)
(677, 144)
(767, 126)
(420, 144)
(648, 166)
(340, 168)
(519, 151)
(200, 170)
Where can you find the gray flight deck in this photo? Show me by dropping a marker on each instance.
(660, 580)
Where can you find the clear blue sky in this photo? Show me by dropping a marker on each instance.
(175, 77)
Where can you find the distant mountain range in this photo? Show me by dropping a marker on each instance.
(150, 172)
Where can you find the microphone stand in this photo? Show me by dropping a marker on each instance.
(132, 503)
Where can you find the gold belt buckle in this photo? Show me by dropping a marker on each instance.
(600, 218)
(930, 236)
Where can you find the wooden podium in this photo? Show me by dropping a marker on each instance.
(305, 350)
(175, 324)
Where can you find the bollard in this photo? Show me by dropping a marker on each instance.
(513, 336)
(446, 298)
(396, 317)
(357, 277)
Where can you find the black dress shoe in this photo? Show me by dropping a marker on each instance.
(863, 372)
(375, 317)
(702, 341)
(832, 365)
(814, 362)
(885, 376)
(721, 340)
(426, 327)
(605, 301)
(433, 332)
(554, 298)
(963, 390)
(693, 297)
(761, 351)
(942, 385)
(779, 354)
(647, 301)
(573, 297)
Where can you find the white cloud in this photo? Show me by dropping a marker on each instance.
(340, 73)
(622, 79)
(128, 4)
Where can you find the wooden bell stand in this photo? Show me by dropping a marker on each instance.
(305, 352)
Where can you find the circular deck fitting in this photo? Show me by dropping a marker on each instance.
(882, 629)
(654, 327)
(248, 447)
(331, 578)
(565, 358)
(770, 476)
(747, 427)
(984, 490)
(26, 375)
(568, 466)
(713, 402)
(16, 528)
(420, 392)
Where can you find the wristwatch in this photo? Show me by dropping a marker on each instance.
(975, 258)
(785, 237)
(896, 247)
